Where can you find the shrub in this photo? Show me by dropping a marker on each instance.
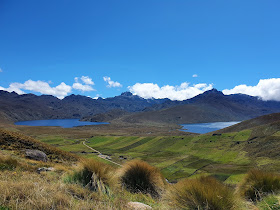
(94, 174)
(8, 163)
(201, 193)
(257, 184)
(139, 177)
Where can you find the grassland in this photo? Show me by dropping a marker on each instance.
(224, 156)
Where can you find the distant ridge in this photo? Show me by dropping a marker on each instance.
(210, 106)
(14, 107)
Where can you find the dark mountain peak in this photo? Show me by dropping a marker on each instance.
(213, 91)
(208, 96)
(73, 96)
(6, 93)
(127, 94)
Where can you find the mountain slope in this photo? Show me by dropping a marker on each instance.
(211, 106)
(14, 107)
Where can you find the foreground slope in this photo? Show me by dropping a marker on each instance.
(225, 155)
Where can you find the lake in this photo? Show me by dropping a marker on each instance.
(65, 123)
(206, 127)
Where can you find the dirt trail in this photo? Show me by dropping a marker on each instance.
(100, 154)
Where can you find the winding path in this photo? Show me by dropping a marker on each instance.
(100, 154)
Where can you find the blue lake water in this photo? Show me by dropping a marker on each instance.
(206, 127)
(65, 123)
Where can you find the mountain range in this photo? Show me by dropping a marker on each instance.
(210, 106)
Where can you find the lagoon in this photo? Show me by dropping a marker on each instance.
(65, 123)
(206, 127)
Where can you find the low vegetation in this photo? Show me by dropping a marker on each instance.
(258, 184)
(139, 177)
(18, 142)
(201, 193)
(92, 174)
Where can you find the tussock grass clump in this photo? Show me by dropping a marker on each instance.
(8, 163)
(139, 177)
(201, 193)
(258, 183)
(92, 174)
(26, 190)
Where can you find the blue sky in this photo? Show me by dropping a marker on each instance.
(152, 48)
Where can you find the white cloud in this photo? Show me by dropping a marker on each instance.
(87, 80)
(79, 86)
(266, 89)
(59, 91)
(87, 86)
(1, 70)
(13, 88)
(111, 83)
(182, 92)
(195, 75)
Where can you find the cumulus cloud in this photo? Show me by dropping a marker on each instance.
(266, 89)
(85, 84)
(87, 80)
(195, 75)
(111, 83)
(42, 87)
(79, 86)
(181, 92)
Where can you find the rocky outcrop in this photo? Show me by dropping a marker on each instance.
(36, 155)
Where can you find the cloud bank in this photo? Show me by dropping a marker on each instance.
(181, 92)
(266, 89)
(111, 83)
(60, 91)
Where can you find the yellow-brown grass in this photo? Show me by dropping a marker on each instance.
(93, 174)
(258, 183)
(7, 162)
(139, 177)
(26, 190)
(200, 193)
(15, 141)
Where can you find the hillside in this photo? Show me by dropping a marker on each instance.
(270, 120)
(211, 106)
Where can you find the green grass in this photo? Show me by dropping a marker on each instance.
(178, 157)
(270, 202)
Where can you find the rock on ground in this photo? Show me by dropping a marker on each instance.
(138, 206)
(36, 155)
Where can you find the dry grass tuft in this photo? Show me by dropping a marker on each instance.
(139, 177)
(201, 193)
(259, 183)
(92, 174)
(8, 163)
(25, 190)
